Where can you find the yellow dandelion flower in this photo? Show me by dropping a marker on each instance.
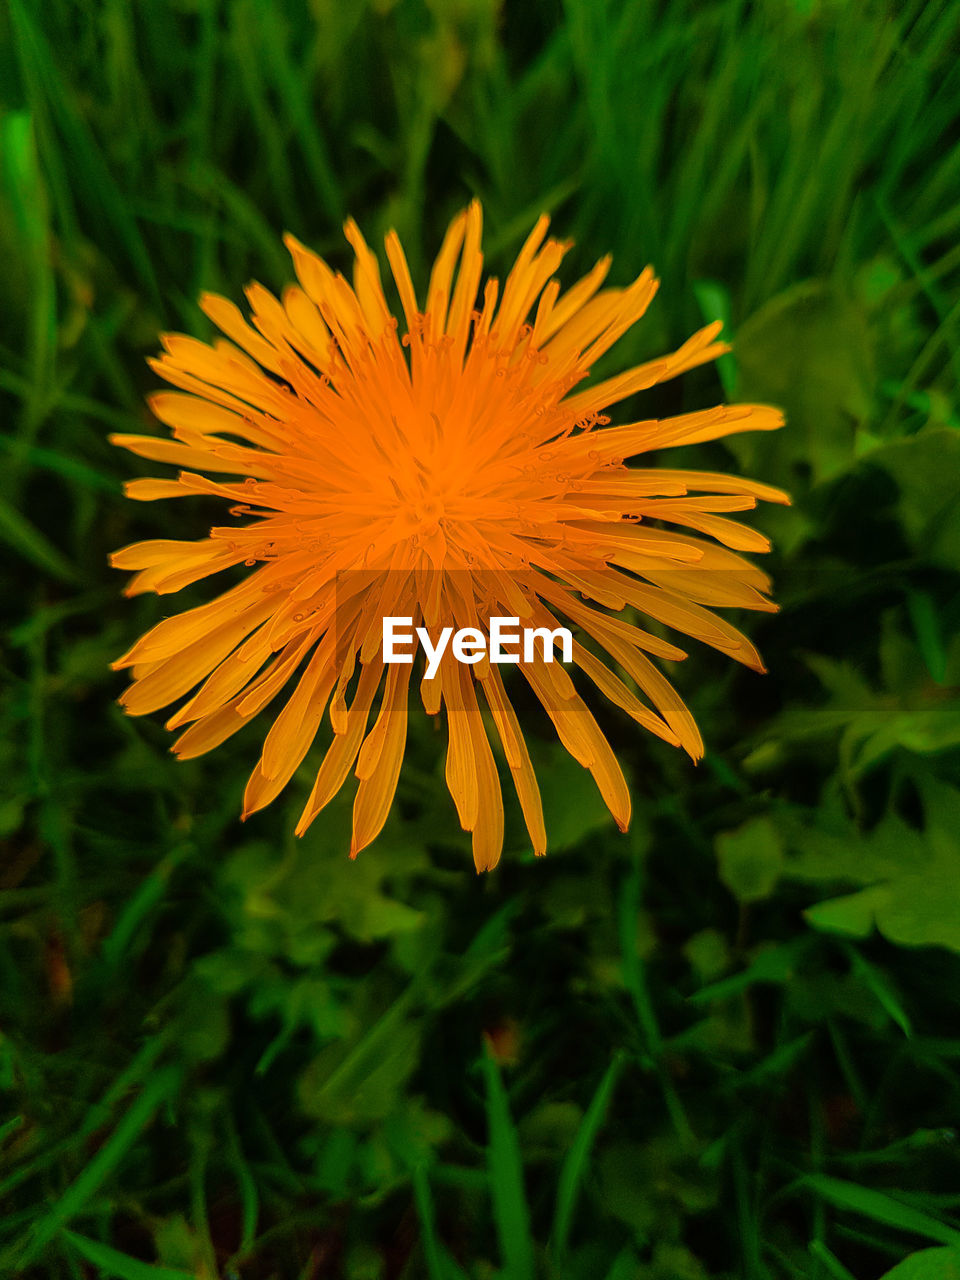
(455, 474)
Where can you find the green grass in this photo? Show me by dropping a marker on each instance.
(225, 1052)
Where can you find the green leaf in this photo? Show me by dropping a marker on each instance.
(652, 1186)
(809, 351)
(278, 906)
(203, 1024)
(708, 953)
(625, 1265)
(909, 876)
(928, 1264)
(925, 468)
(750, 859)
(868, 725)
(775, 964)
(853, 916)
(112, 1263)
(570, 797)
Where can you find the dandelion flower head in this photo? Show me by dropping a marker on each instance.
(452, 467)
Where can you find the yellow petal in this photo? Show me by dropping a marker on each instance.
(378, 765)
(343, 750)
(518, 758)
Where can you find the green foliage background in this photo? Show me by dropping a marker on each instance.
(725, 1045)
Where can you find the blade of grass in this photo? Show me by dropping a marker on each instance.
(43, 619)
(879, 1207)
(912, 259)
(62, 465)
(440, 1266)
(775, 965)
(635, 982)
(505, 1168)
(745, 1180)
(131, 918)
(93, 184)
(292, 88)
(574, 1165)
(199, 1215)
(371, 1044)
(927, 629)
(833, 1266)
(775, 1065)
(110, 1262)
(23, 185)
(428, 1229)
(879, 987)
(248, 65)
(250, 225)
(713, 299)
(27, 540)
(10, 1126)
(77, 404)
(249, 1196)
(156, 1091)
(138, 1068)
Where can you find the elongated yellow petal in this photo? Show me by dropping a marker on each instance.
(378, 765)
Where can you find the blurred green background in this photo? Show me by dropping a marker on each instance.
(726, 1045)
